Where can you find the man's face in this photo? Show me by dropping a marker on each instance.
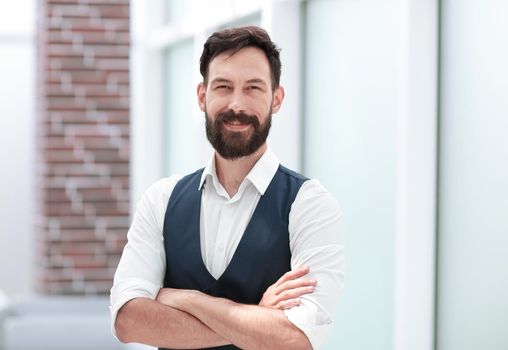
(238, 102)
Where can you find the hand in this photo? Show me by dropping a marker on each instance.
(286, 292)
(172, 296)
(165, 296)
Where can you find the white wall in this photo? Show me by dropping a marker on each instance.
(17, 120)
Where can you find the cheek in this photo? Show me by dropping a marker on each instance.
(211, 110)
(214, 105)
(263, 108)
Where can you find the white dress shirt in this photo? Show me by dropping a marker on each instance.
(314, 238)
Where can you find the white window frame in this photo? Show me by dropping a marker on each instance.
(416, 191)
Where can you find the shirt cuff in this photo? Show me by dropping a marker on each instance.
(128, 290)
(315, 323)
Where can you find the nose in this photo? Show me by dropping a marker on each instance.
(236, 102)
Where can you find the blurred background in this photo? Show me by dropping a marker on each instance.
(399, 107)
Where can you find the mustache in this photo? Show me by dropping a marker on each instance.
(231, 116)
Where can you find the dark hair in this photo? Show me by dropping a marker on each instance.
(235, 39)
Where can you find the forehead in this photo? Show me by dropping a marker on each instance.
(247, 63)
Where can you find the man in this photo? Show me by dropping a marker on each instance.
(243, 253)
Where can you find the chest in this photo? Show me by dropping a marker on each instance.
(223, 222)
(261, 256)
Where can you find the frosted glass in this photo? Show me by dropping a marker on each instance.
(183, 133)
(177, 11)
(473, 230)
(180, 12)
(350, 107)
(252, 19)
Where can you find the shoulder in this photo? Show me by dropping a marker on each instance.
(156, 196)
(162, 188)
(160, 191)
(312, 187)
(313, 194)
(292, 174)
(152, 204)
(315, 218)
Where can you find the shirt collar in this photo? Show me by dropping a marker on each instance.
(209, 171)
(260, 175)
(263, 171)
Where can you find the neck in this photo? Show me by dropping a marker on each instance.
(231, 173)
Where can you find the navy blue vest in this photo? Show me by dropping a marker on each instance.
(261, 258)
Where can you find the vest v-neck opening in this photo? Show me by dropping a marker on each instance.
(234, 257)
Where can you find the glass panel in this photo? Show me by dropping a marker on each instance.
(350, 111)
(254, 19)
(177, 11)
(183, 132)
(473, 229)
(243, 6)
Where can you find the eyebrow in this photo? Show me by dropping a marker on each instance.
(220, 80)
(256, 81)
(250, 81)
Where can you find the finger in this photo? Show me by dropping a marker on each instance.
(300, 282)
(294, 293)
(293, 274)
(287, 304)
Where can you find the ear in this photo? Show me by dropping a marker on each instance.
(201, 93)
(278, 97)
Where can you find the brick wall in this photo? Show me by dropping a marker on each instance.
(83, 143)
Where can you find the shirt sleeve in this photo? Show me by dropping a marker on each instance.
(141, 269)
(316, 241)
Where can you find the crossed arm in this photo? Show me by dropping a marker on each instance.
(188, 319)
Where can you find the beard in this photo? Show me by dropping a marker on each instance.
(236, 144)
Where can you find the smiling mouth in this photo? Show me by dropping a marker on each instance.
(236, 125)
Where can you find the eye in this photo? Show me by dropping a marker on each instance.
(222, 87)
(253, 87)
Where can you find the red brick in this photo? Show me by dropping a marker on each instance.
(104, 194)
(88, 90)
(97, 37)
(95, 141)
(55, 195)
(83, 264)
(100, 274)
(68, 50)
(118, 77)
(110, 11)
(77, 235)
